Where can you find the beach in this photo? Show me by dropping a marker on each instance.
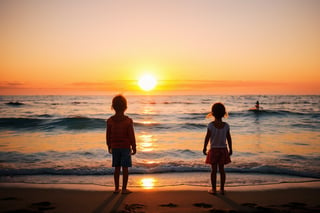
(293, 197)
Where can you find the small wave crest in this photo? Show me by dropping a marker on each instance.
(45, 123)
(276, 113)
(170, 167)
(98, 162)
(14, 103)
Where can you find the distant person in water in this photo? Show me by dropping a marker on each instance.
(218, 132)
(121, 142)
(257, 105)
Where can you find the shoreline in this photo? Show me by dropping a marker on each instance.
(288, 197)
(181, 187)
(160, 180)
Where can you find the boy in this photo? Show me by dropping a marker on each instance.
(121, 142)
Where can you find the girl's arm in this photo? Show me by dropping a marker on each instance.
(206, 140)
(229, 142)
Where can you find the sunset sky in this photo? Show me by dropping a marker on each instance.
(190, 46)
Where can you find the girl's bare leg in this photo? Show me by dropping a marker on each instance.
(213, 178)
(222, 177)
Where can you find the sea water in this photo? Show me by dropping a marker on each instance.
(61, 139)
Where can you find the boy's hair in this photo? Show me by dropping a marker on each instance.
(119, 103)
(218, 110)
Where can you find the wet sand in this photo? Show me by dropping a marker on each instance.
(298, 197)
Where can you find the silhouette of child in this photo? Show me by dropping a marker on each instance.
(121, 142)
(218, 132)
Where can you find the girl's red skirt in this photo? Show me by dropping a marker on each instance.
(218, 156)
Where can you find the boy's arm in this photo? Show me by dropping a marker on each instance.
(206, 140)
(108, 142)
(132, 139)
(229, 142)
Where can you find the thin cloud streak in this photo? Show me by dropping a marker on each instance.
(164, 87)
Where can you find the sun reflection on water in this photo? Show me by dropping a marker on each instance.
(148, 122)
(148, 110)
(151, 162)
(147, 183)
(146, 142)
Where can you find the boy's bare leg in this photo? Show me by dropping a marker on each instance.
(125, 176)
(222, 178)
(116, 177)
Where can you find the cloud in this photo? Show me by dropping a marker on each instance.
(11, 85)
(183, 87)
(211, 84)
(107, 85)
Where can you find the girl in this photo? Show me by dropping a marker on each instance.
(218, 133)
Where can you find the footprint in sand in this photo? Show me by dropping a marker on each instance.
(250, 205)
(171, 205)
(9, 198)
(202, 205)
(133, 207)
(41, 206)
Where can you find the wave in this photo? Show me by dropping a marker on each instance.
(179, 102)
(70, 123)
(16, 103)
(183, 121)
(248, 113)
(192, 116)
(17, 123)
(167, 168)
(274, 170)
(237, 114)
(269, 113)
(96, 161)
(46, 122)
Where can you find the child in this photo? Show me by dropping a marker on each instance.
(121, 142)
(218, 133)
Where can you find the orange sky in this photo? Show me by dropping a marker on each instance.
(190, 46)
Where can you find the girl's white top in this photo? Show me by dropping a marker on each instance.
(218, 136)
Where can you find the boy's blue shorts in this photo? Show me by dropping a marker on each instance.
(121, 157)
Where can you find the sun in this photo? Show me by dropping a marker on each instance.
(147, 82)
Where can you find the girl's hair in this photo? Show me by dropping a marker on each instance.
(119, 103)
(218, 110)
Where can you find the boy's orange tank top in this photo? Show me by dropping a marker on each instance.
(120, 132)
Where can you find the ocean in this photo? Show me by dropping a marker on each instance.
(61, 139)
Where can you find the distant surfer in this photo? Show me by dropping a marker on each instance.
(256, 108)
(257, 105)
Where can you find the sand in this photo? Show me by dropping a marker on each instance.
(298, 197)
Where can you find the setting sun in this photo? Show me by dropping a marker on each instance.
(147, 82)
